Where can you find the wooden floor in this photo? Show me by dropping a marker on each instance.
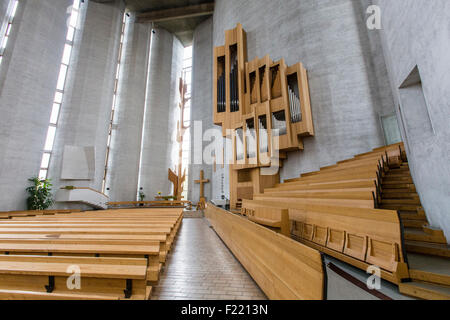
(201, 267)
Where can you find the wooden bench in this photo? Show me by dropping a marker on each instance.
(371, 163)
(146, 234)
(287, 201)
(283, 268)
(175, 203)
(100, 248)
(32, 213)
(359, 236)
(46, 277)
(347, 184)
(275, 218)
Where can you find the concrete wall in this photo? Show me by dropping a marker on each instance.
(28, 77)
(166, 57)
(201, 104)
(345, 64)
(86, 108)
(417, 33)
(124, 157)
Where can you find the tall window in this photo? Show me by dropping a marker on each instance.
(187, 77)
(113, 107)
(51, 132)
(10, 19)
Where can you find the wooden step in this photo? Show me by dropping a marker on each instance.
(398, 195)
(400, 207)
(401, 201)
(429, 269)
(420, 235)
(408, 186)
(401, 174)
(409, 223)
(398, 190)
(402, 169)
(425, 290)
(396, 180)
(428, 248)
(412, 215)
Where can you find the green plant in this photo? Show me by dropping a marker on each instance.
(141, 196)
(40, 196)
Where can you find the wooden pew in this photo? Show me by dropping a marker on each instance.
(32, 213)
(286, 201)
(347, 184)
(175, 203)
(273, 217)
(283, 268)
(147, 234)
(104, 248)
(359, 236)
(45, 277)
(375, 162)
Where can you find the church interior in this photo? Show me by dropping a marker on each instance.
(224, 150)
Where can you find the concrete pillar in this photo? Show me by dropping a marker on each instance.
(124, 157)
(28, 77)
(86, 108)
(159, 135)
(201, 106)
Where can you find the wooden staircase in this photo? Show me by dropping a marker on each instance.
(427, 250)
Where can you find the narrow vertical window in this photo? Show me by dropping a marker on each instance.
(59, 94)
(114, 101)
(187, 78)
(9, 26)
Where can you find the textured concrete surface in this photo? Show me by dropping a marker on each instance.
(124, 156)
(417, 32)
(201, 267)
(345, 66)
(201, 104)
(159, 135)
(86, 108)
(28, 77)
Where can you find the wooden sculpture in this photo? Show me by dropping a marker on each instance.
(178, 176)
(254, 103)
(202, 201)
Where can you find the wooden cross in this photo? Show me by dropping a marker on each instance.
(202, 182)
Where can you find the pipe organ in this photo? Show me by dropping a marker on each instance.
(264, 107)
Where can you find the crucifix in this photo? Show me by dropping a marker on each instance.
(202, 202)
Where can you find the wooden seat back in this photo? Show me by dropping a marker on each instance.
(25, 277)
(283, 268)
(286, 202)
(272, 217)
(359, 236)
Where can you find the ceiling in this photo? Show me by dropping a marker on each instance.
(179, 17)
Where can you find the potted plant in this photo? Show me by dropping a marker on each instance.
(141, 197)
(40, 196)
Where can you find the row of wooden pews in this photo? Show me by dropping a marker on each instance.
(33, 213)
(117, 254)
(152, 204)
(336, 210)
